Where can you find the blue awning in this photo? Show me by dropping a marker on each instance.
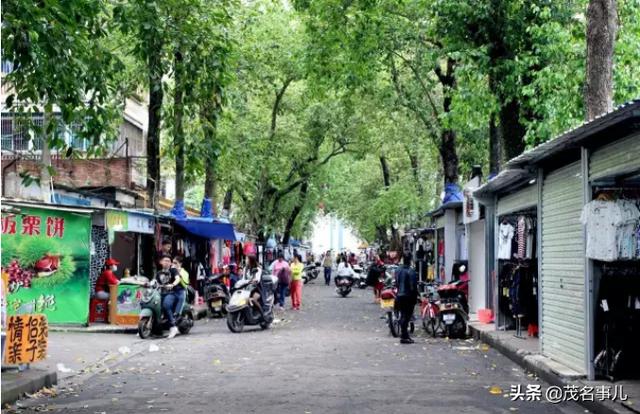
(207, 228)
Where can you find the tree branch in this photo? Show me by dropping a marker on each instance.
(276, 106)
(406, 102)
(423, 85)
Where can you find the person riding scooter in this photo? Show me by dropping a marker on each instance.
(169, 279)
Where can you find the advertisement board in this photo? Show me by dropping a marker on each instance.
(45, 260)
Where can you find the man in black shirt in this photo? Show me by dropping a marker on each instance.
(407, 296)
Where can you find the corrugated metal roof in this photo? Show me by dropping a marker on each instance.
(574, 136)
(504, 179)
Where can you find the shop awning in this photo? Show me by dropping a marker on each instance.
(207, 228)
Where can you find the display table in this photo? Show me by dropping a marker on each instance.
(124, 306)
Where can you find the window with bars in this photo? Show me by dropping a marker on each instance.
(15, 135)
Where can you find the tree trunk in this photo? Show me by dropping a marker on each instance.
(602, 26)
(178, 129)
(302, 198)
(226, 205)
(415, 169)
(45, 176)
(494, 147)
(153, 135)
(448, 151)
(512, 131)
(386, 178)
(210, 185)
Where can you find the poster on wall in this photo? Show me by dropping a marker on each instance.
(45, 263)
(471, 207)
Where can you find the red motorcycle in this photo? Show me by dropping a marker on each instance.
(454, 308)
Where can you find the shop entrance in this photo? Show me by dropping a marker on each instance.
(612, 221)
(518, 273)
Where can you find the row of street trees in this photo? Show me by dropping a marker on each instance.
(365, 109)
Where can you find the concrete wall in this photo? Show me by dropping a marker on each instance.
(81, 172)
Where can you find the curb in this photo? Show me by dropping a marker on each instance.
(529, 362)
(26, 382)
(90, 329)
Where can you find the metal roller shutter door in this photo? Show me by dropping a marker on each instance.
(620, 157)
(520, 200)
(562, 268)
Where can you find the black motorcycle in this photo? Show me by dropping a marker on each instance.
(216, 295)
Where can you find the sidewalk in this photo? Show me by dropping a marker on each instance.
(526, 353)
(15, 384)
(200, 312)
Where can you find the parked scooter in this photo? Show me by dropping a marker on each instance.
(310, 272)
(216, 296)
(153, 321)
(360, 277)
(344, 285)
(251, 303)
(454, 308)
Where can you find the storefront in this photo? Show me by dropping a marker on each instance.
(129, 236)
(45, 261)
(612, 221)
(450, 239)
(512, 201)
(587, 183)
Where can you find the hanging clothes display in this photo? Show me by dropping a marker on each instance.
(505, 237)
(612, 228)
(226, 254)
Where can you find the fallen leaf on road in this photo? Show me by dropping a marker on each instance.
(495, 390)
(484, 347)
(216, 362)
(154, 348)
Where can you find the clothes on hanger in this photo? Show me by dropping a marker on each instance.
(505, 237)
(612, 229)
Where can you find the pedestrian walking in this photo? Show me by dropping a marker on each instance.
(407, 296)
(327, 263)
(296, 282)
(281, 269)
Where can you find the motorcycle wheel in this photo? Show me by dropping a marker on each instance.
(145, 326)
(305, 280)
(393, 324)
(344, 293)
(265, 325)
(186, 324)
(458, 329)
(362, 285)
(235, 322)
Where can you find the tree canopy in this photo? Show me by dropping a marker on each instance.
(279, 111)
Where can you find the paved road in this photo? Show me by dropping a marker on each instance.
(333, 356)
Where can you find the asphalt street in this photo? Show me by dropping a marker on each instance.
(334, 356)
